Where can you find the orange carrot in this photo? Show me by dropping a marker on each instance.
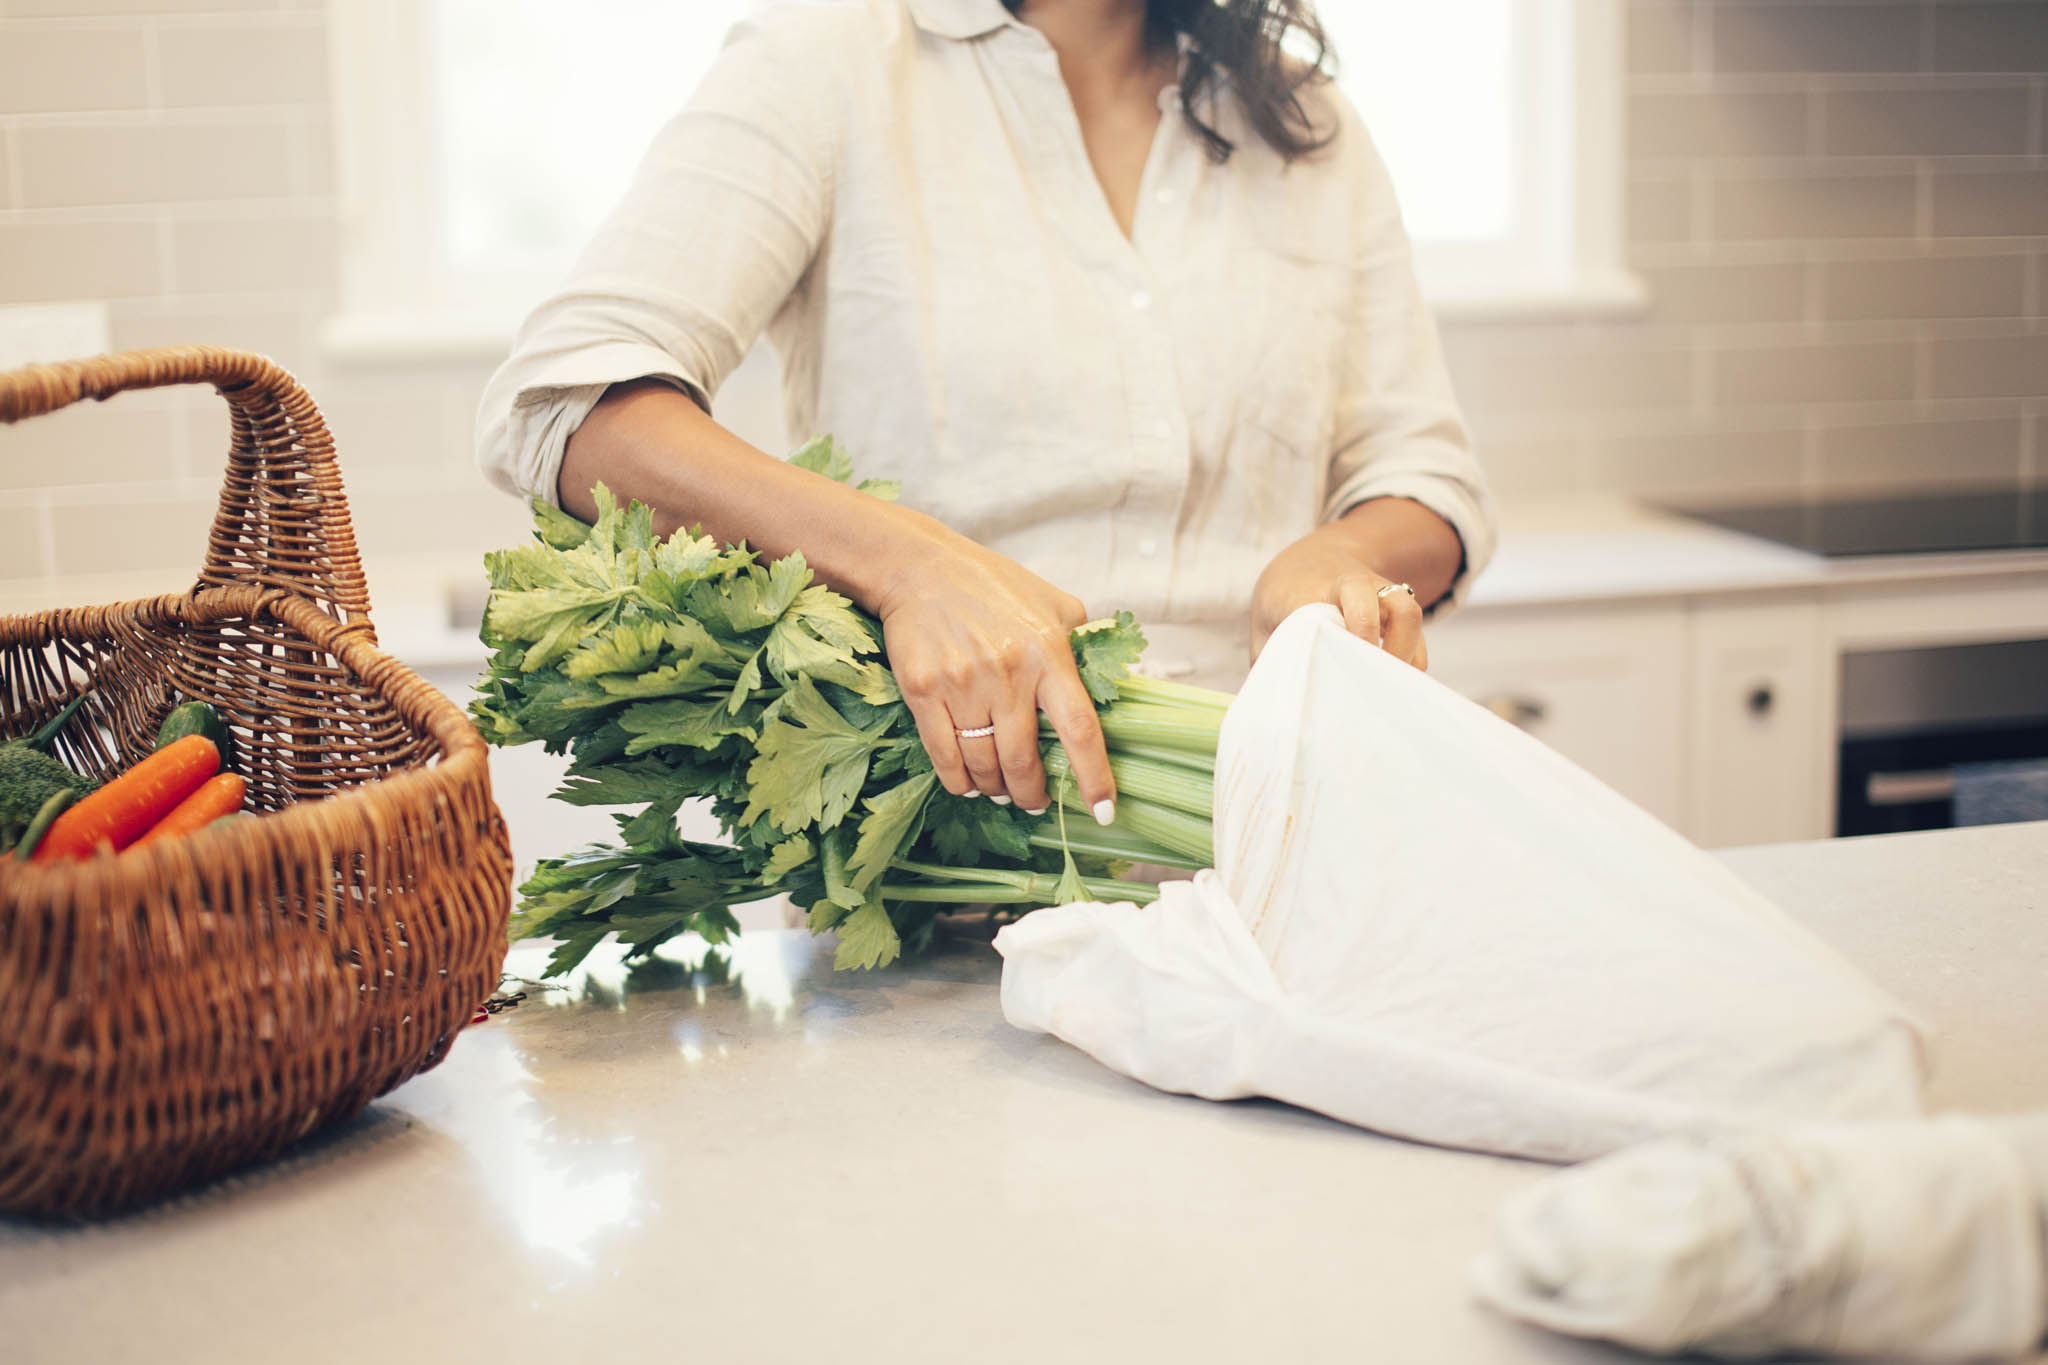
(217, 796)
(121, 811)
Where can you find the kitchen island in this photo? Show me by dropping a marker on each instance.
(752, 1158)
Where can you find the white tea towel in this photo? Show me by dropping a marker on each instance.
(1917, 1238)
(1425, 922)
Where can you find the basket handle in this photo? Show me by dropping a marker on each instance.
(283, 519)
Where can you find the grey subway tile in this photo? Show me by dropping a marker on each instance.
(1904, 456)
(1822, 372)
(1928, 122)
(2005, 36)
(1817, 206)
(1925, 287)
(1815, 38)
(1991, 367)
(1717, 124)
(2002, 203)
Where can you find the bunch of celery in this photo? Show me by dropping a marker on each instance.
(677, 670)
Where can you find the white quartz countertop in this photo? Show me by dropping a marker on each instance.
(1581, 548)
(777, 1163)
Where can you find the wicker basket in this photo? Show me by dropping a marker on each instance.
(174, 1011)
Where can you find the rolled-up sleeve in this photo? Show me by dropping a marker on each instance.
(720, 223)
(1398, 432)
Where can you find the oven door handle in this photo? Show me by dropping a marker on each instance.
(1910, 789)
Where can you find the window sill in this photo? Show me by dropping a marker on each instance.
(469, 338)
(410, 340)
(1606, 296)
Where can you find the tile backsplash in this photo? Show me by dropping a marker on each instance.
(1841, 210)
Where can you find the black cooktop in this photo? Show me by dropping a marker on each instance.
(1932, 524)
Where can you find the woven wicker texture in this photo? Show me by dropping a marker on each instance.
(184, 1008)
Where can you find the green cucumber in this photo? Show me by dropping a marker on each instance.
(197, 718)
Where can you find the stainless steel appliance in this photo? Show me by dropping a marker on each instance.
(2003, 519)
(1937, 737)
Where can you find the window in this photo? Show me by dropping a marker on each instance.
(481, 141)
(1500, 123)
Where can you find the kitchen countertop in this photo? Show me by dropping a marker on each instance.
(1582, 548)
(775, 1162)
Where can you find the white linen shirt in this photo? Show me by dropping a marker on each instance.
(896, 192)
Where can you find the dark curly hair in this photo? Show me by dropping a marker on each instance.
(1239, 43)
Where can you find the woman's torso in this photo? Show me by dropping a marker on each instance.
(1144, 421)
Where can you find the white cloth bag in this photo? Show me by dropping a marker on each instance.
(1424, 922)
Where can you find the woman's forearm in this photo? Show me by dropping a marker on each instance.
(1403, 541)
(649, 440)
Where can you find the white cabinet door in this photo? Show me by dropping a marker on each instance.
(1602, 686)
(1757, 732)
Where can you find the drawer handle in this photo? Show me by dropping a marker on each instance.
(1520, 712)
(1909, 789)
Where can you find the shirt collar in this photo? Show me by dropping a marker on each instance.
(959, 18)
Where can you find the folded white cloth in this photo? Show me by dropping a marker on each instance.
(1425, 922)
(1917, 1238)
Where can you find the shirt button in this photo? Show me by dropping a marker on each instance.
(1141, 300)
(1164, 196)
(1148, 548)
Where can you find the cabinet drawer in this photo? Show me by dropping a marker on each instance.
(1602, 687)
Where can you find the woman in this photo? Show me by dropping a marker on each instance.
(1118, 289)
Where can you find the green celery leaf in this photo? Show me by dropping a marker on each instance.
(618, 784)
(691, 724)
(744, 686)
(656, 825)
(824, 455)
(888, 490)
(820, 636)
(961, 829)
(832, 862)
(866, 939)
(890, 824)
(630, 647)
(557, 529)
(811, 763)
(752, 598)
(573, 945)
(645, 932)
(1105, 651)
(788, 856)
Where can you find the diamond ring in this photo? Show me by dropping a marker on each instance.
(978, 732)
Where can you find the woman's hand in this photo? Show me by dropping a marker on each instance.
(974, 639)
(1380, 564)
(977, 640)
(1322, 568)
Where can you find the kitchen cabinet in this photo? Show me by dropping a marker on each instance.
(1697, 671)
(1754, 754)
(1603, 686)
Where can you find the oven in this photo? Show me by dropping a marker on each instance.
(1933, 738)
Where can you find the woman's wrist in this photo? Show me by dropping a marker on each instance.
(1401, 541)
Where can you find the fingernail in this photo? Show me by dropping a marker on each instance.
(1040, 811)
(1000, 800)
(1105, 811)
(969, 792)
